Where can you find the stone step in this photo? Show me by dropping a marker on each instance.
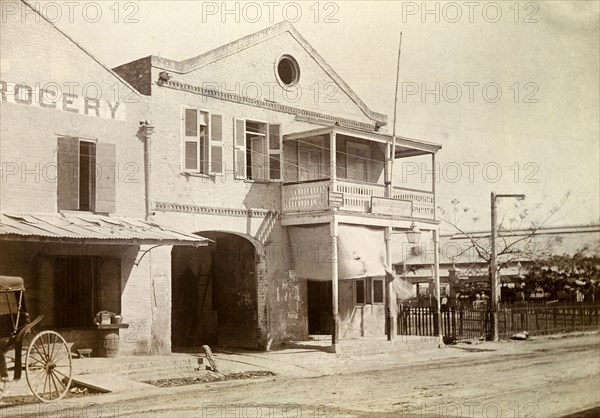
(399, 345)
(131, 364)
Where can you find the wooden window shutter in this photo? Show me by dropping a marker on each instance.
(216, 144)
(190, 147)
(67, 161)
(275, 152)
(258, 145)
(239, 150)
(106, 156)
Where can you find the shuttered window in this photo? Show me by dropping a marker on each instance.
(202, 142)
(85, 175)
(257, 150)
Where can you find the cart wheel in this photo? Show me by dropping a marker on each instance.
(48, 366)
(2, 388)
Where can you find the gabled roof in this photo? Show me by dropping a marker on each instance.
(85, 51)
(191, 64)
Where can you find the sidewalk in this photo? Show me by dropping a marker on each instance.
(297, 359)
(312, 360)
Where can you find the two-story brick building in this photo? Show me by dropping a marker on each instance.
(290, 185)
(73, 189)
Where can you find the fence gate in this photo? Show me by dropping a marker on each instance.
(457, 322)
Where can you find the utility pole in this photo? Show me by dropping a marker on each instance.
(494, 263)
(493, 270)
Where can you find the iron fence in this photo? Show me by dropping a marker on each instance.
(549, 319)
(463, 322)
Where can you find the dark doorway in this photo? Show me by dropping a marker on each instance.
(193, 318)
(235, 292)
(320, 308)
(215, 294)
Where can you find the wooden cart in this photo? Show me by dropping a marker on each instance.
(45, 356)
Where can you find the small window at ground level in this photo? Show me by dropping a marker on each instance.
(288, 70)
(377, 291)
(359, 286)
(369, 291)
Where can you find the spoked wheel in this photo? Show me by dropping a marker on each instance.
(48, 366)
(2, 388)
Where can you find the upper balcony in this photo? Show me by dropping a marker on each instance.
(351, 179)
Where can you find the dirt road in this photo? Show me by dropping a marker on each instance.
(543, 378)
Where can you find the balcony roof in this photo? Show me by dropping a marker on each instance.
(405, 147)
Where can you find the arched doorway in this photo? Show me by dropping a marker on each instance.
(216, 293)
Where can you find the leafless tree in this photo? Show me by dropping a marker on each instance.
(511, 248)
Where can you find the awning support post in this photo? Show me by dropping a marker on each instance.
(391, 328)
(335, 331)
(438, 293)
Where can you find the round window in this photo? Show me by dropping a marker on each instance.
(288, 71)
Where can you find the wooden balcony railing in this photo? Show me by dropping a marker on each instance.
(313, 196)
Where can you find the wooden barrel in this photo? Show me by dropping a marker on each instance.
(109, 343)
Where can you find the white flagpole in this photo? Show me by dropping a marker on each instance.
(390, 179)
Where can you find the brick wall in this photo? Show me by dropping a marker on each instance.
(36, 54)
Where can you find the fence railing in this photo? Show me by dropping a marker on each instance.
(550, 319)
(466, 323)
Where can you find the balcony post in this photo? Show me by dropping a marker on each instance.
(387, 174)
(434, 174)
(335, 331)
(332, 157)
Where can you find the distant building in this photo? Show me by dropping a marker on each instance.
(459, 261)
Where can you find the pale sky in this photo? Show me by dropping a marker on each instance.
(542, 131)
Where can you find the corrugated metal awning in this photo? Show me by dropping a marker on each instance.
(91, 228)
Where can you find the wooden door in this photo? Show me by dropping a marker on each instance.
(357, 161)
(309, 164)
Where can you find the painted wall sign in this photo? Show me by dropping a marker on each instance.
(336, 199)
(55, 99)
(392, 207)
